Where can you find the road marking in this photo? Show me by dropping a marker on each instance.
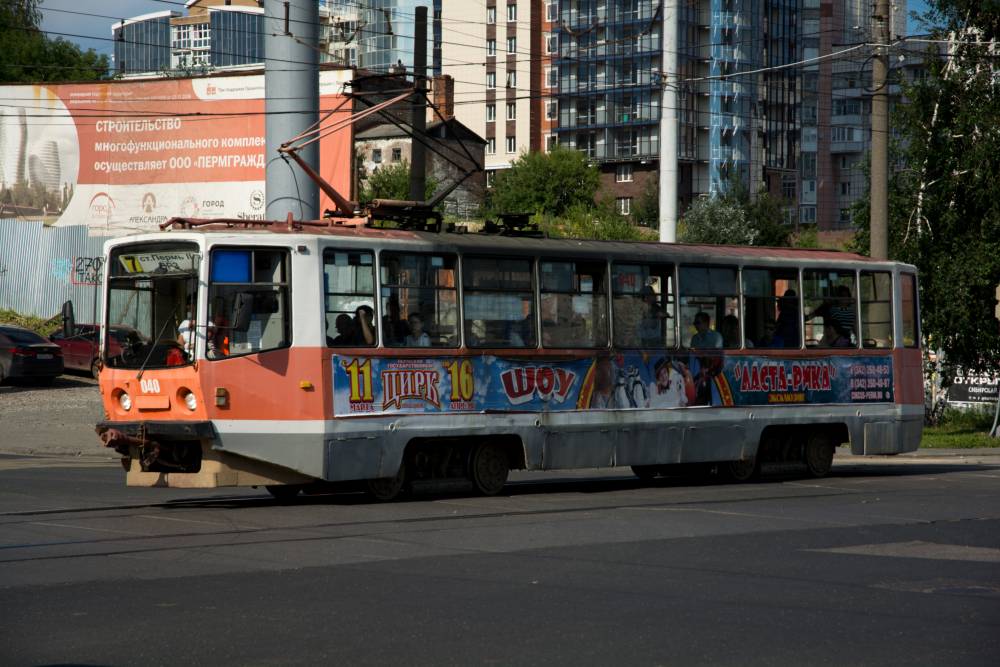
(740, 514)
(28, 464)
(98, 530)
(919, 549)
(170, 518)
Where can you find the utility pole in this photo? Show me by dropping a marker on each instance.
(291, 89)
(668, 124)
(418, 154)
(880, 133)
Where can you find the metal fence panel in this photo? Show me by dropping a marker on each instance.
(41, 267)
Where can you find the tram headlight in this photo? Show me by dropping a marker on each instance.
(191, 401)
(125, 401)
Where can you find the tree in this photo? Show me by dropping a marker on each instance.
(549, 183)
(944, 215)
(392, 182)
(736, 218)
(589, 221)
(29, 56)
(646, 211)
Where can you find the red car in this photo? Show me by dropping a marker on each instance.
(81, 350)
(26, 355)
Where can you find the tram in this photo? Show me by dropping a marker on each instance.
(295, 355)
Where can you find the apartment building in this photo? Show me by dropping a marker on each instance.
(500, 54)
(224, 34)
(836, 108)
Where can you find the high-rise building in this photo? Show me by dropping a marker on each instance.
(498, 56)
(836, 107)
(387, 34)
(215, 34)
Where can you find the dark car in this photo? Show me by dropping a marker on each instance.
(25, 354)
(81, 350)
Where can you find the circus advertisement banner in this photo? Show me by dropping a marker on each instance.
(125, 156)
(380, 385)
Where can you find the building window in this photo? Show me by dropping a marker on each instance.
(552, 77)
(845, 188)
(491, 113)
(491, 177)
(511, 79)
(623, 173)
(491, 146)
(551, 110)
(551, 43)
(808, 214)
(491, 79)
(397, 154)
(491, 47)
(511, 111)
(512, 45)
(511, 144)
(511, 13)
(377, 155)
(552, 11)
(491, 14)
(550, 141)
(624, 205)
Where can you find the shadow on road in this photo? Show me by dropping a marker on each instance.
(19, 385)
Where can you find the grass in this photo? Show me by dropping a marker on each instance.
(37, 324)
(961, 429)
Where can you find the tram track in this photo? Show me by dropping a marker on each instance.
(221, 538)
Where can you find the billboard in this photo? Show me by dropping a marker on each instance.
(124, 156)
(629, 380)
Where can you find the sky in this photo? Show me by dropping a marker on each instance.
(77, 17)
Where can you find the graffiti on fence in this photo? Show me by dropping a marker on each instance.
(87, 270)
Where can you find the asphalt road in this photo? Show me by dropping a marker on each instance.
(882, 563)
(888, 561)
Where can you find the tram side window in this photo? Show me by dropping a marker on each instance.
(498, 302)
(829, 298)
(643, 307)
(771, 308)
(419, 300)
(911, 323)
(876, 309)
(262, 274)
(710, 307)
(574, 304)
(349, 297)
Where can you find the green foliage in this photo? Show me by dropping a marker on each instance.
(392, 182)
(29, 56)
(735, 218)
(36, 324)
(962, 429)
(600, 222)
(944, 215)
(547, 183)
(807, 237)
(646, 210)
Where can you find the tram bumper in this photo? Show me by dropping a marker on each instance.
(183, 454)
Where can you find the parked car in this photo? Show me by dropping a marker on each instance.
(81, 350)
(25, 354)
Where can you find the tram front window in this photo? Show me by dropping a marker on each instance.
(152, 305)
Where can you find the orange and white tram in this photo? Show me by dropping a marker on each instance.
(294, 355)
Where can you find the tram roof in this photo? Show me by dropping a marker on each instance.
(479, 242)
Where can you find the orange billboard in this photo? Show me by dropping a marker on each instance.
(124, 156)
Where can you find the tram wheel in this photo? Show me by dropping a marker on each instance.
(818, 454)
(646, 473)
(742, 470)
(488, 468)
(384, 489)
(283, 491)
